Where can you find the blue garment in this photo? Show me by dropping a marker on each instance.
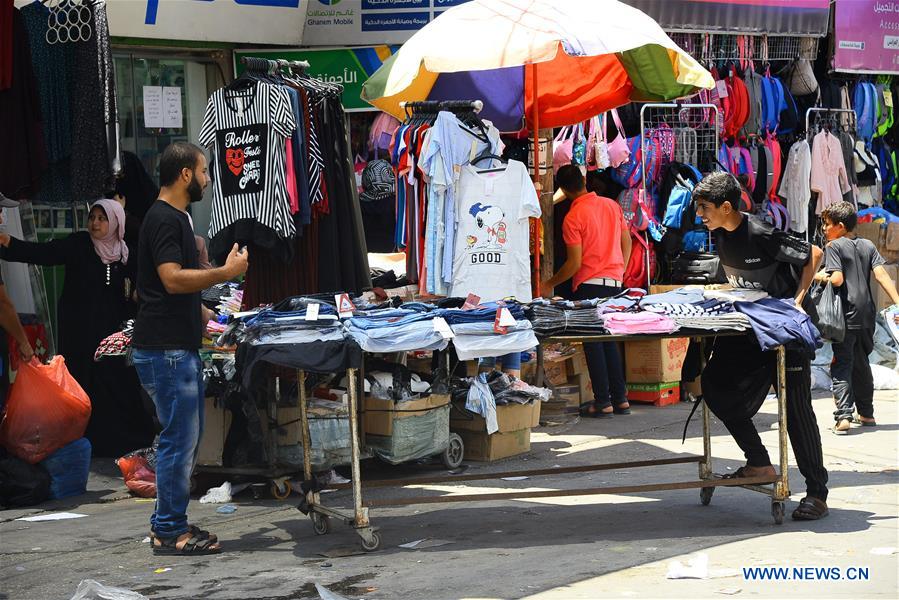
(487, 313)
(389, 318)
(777, 322)
(481, 401)
(417, 335)
(174, 381)
(299, 160)
(509, 362)
(679, 296)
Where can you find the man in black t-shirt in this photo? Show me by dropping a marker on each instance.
(848, 265)
(738, 375)
(168, 333)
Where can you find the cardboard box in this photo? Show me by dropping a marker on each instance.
(871, 231)
(891, 237)
(570, 394)
(509, 417)
(379, 414)
(577, 364)
(480, 446)
(556, 410)
(881, 299)
(215, 429)
(658, 394)
(652, 361)
(556, 371)
(529, 372)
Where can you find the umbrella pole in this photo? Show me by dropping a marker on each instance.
(536, 131)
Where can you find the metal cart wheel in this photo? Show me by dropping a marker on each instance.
(280, 489)
(374, 544)
(778, 509)
(321, 524)
(705, 495)
(454, 453)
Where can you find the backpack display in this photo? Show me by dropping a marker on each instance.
(635, 275)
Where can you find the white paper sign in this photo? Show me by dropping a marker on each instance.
(312, 312)
(153, 117)
(505, 318)
(443, 328)
(171, 103)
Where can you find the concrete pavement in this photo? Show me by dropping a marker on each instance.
(572, 547)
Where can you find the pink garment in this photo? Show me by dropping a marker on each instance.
(641, 322)
(292, 193)
(828, 176)
(112, 248)
(382, 131)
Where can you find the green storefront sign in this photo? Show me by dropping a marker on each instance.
(349, 67)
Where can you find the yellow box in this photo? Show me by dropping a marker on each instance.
(480, 446)
(509, 417)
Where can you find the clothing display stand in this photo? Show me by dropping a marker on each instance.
(657, 120)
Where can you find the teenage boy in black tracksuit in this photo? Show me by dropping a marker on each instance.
(738, 375)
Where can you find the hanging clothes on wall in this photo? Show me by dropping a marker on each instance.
(828, 173)
(96, 152)
(21, 123)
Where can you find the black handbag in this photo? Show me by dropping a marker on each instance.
(831, 321)
(697, 268)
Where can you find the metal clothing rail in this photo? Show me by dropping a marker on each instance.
(835, 111)
(777, 488)
(438, 105)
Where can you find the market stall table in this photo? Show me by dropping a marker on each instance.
(777, 488)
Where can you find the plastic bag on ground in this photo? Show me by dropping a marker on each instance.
(137, 470)
(884, 378)
(89, 589)
(46, 410)
(22, 484)
(217, 495)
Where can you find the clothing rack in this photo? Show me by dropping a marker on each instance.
(832, 114)
(253, 63)
(448, 105)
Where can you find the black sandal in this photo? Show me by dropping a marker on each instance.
(195, 546)
(590, 411)
(618, 410)
(191, 528)
(810, 509)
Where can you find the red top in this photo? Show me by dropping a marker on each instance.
(595, 224)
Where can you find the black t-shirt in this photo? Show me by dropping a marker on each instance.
(166, 321)
(757, 256)
(855, 259)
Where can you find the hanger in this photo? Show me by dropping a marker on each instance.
(490, 155)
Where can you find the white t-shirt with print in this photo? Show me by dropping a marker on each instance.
(492, 252)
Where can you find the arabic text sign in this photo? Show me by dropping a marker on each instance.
(867, 36)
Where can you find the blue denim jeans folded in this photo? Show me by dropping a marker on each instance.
(174, 380)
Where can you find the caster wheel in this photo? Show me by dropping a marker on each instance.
(321, 524)
(280, 490)
(455, 451)
(778, 510)
(705, 495)
(374, 545)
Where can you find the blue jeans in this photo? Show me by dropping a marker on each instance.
(510, 362)
(174, 380)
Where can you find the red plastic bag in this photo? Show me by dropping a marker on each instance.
(46, 409)
(139, 477)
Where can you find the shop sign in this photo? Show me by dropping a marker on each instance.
(349, 67)
(236, 21)
(866, 37)
(348, 22)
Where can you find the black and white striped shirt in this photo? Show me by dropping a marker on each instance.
(247, 136)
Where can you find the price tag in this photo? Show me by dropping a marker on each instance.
(888, 98)
(443, 328)
(345, 306)
(497, 323)
(471, 302)
(722, 88)
(505, 317)
(312, 312)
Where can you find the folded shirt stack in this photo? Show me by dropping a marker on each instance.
(637, 323)
(479, 340)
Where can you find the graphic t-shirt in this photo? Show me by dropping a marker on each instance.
(247, 136)
(855, 259)
(492, 254)
(757, 256)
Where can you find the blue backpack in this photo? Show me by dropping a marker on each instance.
(679, 199)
